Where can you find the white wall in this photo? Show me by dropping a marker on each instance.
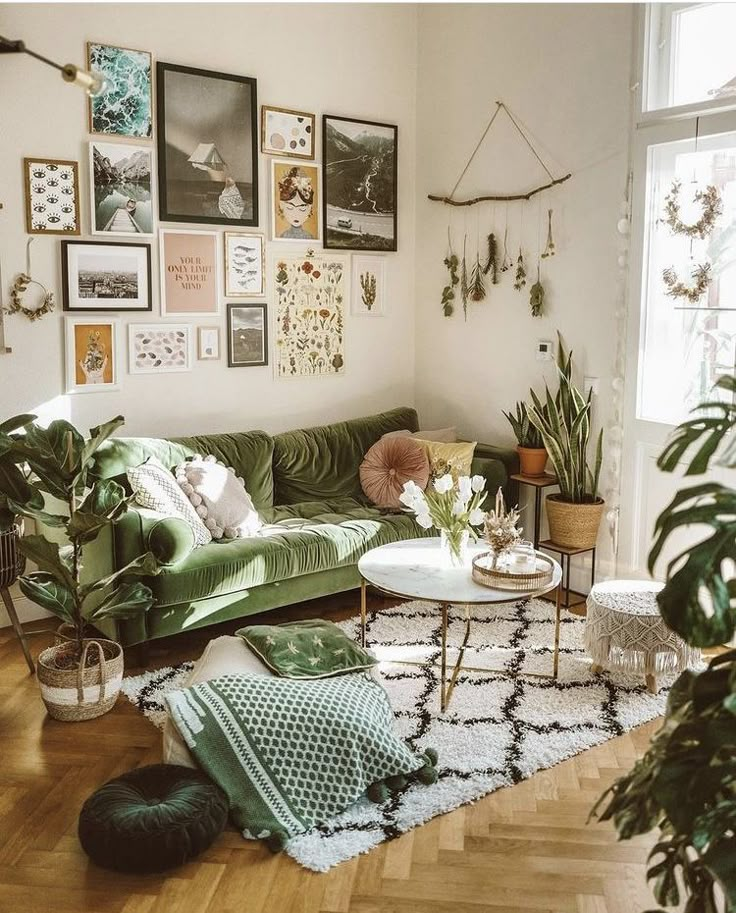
(564, 70)
(356, 60)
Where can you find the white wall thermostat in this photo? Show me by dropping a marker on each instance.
(545, 350)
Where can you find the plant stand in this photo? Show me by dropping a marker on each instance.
(538, 483)
(572, 597)
(19, 632)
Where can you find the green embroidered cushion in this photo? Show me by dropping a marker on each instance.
(306, 649)
(293, 754)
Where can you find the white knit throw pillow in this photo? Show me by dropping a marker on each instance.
(155, 487)
(219, 497)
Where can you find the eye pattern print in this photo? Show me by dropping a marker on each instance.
(52, 197)
(310, 309)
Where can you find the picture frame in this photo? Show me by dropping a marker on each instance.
(208, 343)
(189, 267)
(244, 265)
(352, 219)
(125, 108)
(91, 354)
(207, 146)
(247, 335)
(295, 202)
(121, 189)
(287, 133)
(106, 276)
(368, 286)
(51, 189)
(159, 348)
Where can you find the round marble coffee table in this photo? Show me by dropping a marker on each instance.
(418, 569)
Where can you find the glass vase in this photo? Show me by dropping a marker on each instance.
(454, 547)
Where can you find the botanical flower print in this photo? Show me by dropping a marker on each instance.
(310, 298)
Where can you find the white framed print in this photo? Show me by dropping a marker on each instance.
(208, 343)
(368, 286)
(91, 352)
(121, 189)
(244, 265)
(159, 348)
(296, 206)
(188, 263)
(287, 132)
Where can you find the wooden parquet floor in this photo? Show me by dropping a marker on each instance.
(525, 849)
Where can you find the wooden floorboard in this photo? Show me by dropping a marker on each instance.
(524, 849)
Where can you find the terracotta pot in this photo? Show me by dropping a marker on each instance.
(81, 692)
(532, 461)
(574, 525)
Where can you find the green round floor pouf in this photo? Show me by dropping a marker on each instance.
(152, 818)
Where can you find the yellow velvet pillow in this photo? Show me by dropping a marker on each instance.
(453, 458)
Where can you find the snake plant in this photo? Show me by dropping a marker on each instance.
(685, 785)
(526, 433)
(563, 421)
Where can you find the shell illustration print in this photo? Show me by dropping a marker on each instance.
(311, 292)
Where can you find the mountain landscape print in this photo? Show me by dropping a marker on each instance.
(359, 184)
(120, 176)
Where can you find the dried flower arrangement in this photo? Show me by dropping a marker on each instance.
(676, 288)
(448, 292)
(710, 202)
(520, 277)
(490, 266)
(477, 288)
(536, 298)
(500, 529)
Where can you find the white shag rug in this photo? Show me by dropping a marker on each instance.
(500, 727)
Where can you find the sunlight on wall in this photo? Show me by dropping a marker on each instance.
(58, 407)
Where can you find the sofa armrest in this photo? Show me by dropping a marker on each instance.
(140, 530)
(496, 465)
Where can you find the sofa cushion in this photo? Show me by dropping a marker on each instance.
(388, 465)
(323, 462)
(298, 539)
(250, 453)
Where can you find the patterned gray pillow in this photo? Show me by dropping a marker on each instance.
(155, 487)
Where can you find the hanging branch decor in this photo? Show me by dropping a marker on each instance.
(676, 288)
(553, 181)
(448, 292)
(520, 277)
(710, 203)
(477, 290)
(490, 266)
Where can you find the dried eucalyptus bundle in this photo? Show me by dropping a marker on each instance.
(490, 266)
(520, 277)
(448, 292)
(477, 290)
(536, 298)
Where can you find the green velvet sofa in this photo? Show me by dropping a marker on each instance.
(305, 486)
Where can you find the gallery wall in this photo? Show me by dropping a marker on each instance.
(364, 68)
(563, 69)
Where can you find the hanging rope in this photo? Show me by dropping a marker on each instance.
(451, 201)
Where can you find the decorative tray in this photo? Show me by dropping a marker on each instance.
(506, 579)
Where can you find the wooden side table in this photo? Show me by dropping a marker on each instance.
(538, 483)
(572, 597)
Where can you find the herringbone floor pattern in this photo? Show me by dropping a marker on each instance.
(523, 849)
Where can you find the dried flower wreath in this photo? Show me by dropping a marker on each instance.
(676, 288)
(710, 202)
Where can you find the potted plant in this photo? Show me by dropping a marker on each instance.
(684, 787)
(564, 423)
(530, 446)
(80, 677)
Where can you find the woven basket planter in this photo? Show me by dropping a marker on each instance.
(82, 692)
(574, 525)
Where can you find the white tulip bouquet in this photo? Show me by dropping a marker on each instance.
(453, 507)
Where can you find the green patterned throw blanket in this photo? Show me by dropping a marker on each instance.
(293, 754)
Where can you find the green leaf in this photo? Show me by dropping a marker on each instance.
(142, 566)
(17, 422)
(105, 502)
(126, 601)
(47, 557)
(51, 595)
(58, 521)
(98, 436)
(15, 487)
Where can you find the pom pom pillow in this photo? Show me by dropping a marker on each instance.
(155, 487)
(390, 463)
(219, 497)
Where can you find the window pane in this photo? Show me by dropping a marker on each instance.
(691, 54)
(686, 346)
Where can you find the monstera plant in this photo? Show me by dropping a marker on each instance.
(56, 464)
(685, 785)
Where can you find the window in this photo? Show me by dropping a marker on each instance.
(691, 57)
(685, 345)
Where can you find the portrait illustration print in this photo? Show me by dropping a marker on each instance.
(296, 205)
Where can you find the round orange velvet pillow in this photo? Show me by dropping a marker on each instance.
(390, 463)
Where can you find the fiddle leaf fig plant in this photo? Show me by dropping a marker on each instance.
(685, 785)
(59, 462)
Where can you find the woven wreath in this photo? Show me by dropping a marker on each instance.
(710, 202)
(20, 287)
(676, 288)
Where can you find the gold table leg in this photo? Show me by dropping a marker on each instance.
(443, 672)
(362, 610)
